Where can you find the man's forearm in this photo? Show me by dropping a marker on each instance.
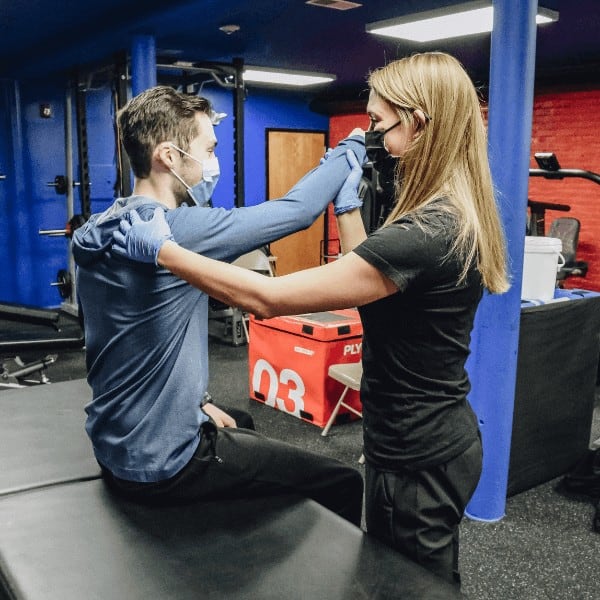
(321, 185)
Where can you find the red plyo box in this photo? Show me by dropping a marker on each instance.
(289, 358)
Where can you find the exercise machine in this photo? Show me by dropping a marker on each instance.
(42, 330)
(564, 228)
(17, 374)
(65, 184)
(35, 330)
(549, 168)
(14, 372)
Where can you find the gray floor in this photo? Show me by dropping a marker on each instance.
(544, 548)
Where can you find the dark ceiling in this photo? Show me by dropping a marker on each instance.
(40, 38)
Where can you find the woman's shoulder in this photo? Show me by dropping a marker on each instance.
(437, 217)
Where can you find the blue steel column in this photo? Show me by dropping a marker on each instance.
(493, 363)
(143, 63)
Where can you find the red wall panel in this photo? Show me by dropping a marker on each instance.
(339, 128)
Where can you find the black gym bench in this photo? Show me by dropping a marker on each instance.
(63, 535)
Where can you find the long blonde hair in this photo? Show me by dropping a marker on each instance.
(448, 157)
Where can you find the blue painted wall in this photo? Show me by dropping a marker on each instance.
(37, 150)
(263, 110)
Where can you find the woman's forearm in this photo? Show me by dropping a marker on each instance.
(256, 293)
(230, 284)
(344, 283)
(351, 229)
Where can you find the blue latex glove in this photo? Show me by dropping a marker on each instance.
(326, 156)
(347, 198)
(141, 240)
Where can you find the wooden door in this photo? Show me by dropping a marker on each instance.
(290, 155)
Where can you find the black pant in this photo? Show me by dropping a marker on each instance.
(240, 463)
(418, 512)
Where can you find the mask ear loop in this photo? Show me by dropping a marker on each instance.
(187, 187)
(180, 150)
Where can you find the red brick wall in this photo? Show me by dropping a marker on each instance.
(568, 124)
(340, 127)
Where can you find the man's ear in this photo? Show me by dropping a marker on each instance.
(164, 154)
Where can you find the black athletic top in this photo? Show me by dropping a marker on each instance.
(415, 344)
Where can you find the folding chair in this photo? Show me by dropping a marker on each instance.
(349, 374)
(226, 319)
(261, 262)
(257, 260)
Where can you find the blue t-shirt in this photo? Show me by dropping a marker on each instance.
(146, 330)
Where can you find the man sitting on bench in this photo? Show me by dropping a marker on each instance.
(146, 330)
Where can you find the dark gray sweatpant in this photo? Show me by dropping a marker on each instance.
(240, 463)
(418, 512)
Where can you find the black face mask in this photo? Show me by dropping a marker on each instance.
(375, 144)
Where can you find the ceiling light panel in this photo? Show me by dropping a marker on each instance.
(460, 20)
(335, 4)
(277, 77)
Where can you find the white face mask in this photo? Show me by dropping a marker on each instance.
(201, 193)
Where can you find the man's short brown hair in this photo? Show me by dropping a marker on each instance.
(157, 115)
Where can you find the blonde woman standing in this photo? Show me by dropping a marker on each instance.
(417, 282)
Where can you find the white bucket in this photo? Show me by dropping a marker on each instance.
(541, 263)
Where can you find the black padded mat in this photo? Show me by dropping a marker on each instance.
(43, 440)
(77, 541)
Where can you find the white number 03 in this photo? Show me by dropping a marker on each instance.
(287, 377)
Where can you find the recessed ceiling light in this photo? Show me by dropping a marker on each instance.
(229, 29)
(265, 76)
(335, 4)
(459, 20)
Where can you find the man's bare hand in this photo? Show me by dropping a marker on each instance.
(221, 418)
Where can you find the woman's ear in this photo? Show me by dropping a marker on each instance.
(420, 122)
